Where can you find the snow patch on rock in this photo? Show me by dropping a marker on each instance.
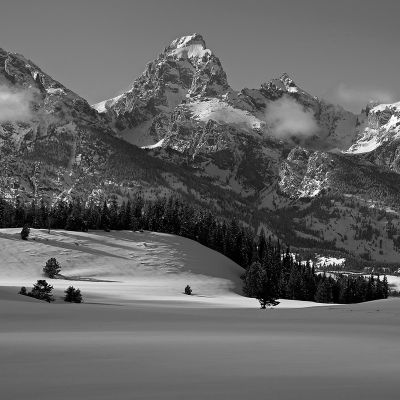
(222, 112)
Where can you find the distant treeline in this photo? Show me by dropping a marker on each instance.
(274, 275)
(269, 271)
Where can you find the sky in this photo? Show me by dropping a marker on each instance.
(346, 51)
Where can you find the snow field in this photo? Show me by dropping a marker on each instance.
(127, 266)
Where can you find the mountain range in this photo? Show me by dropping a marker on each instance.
(309, 172)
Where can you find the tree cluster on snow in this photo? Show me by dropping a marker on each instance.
(42, 290)
(274, 274)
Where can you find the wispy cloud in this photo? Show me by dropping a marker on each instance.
(355, 98)
(14, 104)
(287, 118)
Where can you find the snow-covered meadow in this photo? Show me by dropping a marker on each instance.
(127, 266)
(137, 336)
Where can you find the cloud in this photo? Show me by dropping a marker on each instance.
(355, 98)
(14, 104)
(287, 119)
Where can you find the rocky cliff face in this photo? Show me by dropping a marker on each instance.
(51, 105)
(378, 137)
(186, 69)
(58, 146)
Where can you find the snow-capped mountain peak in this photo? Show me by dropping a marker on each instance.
(192, 47)
(380, 126)
(285, 82)
(185, 71)
(186, 41)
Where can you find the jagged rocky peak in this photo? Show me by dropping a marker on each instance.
(192, 42)
(19, 72)
(44, 104)
(189, 65)
(379, 131)
(285, 83)
(184, 41)
(185, 71)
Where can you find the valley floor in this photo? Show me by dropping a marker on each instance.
(160, 350)
(129, 341)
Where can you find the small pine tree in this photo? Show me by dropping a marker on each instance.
(258, 284)
(42, 291)
(23, 291)
(267, 301)
(385, 287)
(25, 232)
(52, 268)
(324, 292)
(188, 290)
(73, 295)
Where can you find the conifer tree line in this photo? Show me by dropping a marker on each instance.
(167, 215)
(270, 272)
(274, 274)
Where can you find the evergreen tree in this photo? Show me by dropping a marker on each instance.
(127, 217)
(114, 213)
(105, 217)
(262, 245)
(23, 291)
(19, 212)
(257, 284)
(379, 291)
(324, 292)
(43, 214)
(385, 288)
(52, 268)
(25, 232)
(73, 295)
(188, 290)
(370, 292)
(42, 291)
(137, 210)
(2, 212)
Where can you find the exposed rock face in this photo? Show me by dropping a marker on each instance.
(52, 104)
(336, 126)
(378, 138)
(62, 147)
(185, 70)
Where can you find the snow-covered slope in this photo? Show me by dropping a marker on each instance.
(380, 127)
(222, 112)
(126, 266)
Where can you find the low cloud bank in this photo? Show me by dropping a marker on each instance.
(287, 118)
(14, 104)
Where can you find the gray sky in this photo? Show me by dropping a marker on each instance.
(345, 51)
